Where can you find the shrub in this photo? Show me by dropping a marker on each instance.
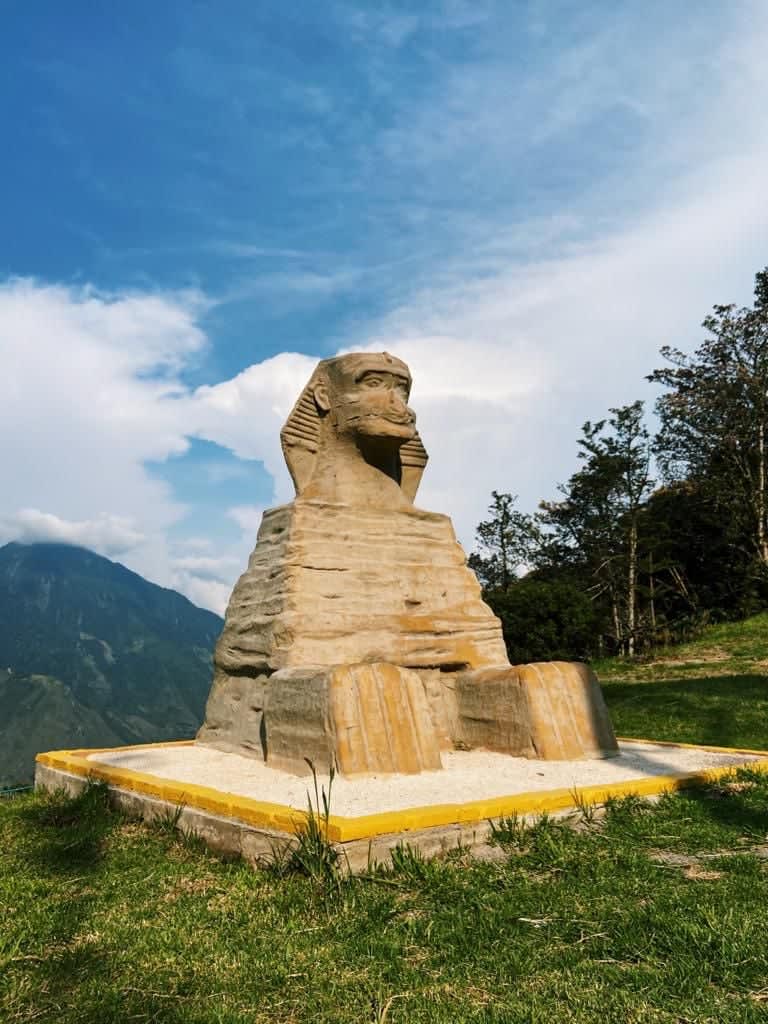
(546, 621)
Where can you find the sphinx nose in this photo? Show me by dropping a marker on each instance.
(397, 405)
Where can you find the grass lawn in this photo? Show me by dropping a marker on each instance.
(655, 913)
(712, 690)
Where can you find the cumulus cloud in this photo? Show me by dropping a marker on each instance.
(247, 517)
(206, 579)
(110, 535)
(207, 567)
(245, 414)
(89, 392)
(206, 593)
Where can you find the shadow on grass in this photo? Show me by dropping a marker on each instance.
(706, 815)
(62, 840)
(70, 831)
(724, 711)
(741, 807)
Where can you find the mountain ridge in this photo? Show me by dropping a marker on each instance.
(91, 654)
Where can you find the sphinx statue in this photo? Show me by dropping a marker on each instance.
(358, 635)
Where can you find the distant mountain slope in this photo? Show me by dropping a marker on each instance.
(93, 654)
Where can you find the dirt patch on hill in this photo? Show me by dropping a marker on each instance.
(707, 655)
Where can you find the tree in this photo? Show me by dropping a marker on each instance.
(597, 522)
(546, 620)
(700, 570)
(714, 417)
(507, 541)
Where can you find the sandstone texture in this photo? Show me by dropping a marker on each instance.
(358, 634)
(550, 710)
(366, 719)
(328, 584)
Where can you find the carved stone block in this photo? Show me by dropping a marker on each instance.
(567, 710)
(550, 710)
(493, 712)
(365, 719)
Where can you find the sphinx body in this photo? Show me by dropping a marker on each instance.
(358, 634)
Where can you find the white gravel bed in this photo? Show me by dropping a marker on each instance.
(466, 776)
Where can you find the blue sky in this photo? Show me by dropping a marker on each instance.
(524, 200)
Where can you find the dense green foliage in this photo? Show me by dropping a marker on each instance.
(714, 416)
(657, 565)
(546, 620)
(94, 655)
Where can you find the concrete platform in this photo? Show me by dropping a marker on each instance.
(242, 807)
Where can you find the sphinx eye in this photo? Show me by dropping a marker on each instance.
(373, 382)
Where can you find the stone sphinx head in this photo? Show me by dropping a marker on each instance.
(351, 437)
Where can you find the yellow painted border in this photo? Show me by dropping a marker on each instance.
(281, 818)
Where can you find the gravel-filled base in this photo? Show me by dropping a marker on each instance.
(467, 776)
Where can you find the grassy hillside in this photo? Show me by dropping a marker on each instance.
(727, 649)
(712, 690)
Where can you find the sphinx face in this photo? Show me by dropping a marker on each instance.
(368, 397)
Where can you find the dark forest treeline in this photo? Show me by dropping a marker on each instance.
(652, 536)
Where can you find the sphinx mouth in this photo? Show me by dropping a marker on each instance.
(393, 419)
(404, 420)
(398, 421)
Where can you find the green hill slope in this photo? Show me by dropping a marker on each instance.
(727, 648)
(93, 654)
(713, 690)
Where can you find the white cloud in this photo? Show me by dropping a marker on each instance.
(207, 567)
(533, 351)
(245, 414)
(193, 544)
(247, 517)
(88, 393)
(530, 327)
(206, 593)
(110, 535)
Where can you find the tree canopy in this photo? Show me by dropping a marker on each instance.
(651, 562)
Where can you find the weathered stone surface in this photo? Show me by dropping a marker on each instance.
(493, 712)
(551, 710)
(234, 719)
(298, 725)
(364, 719)
(569, 718)
(329, 584)
(381, 720)
(358, 634)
